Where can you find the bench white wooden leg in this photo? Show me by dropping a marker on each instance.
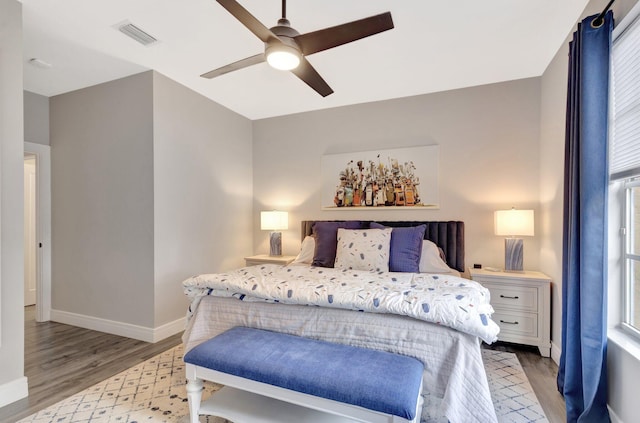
(194, 395)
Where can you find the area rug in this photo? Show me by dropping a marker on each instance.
(154, 391)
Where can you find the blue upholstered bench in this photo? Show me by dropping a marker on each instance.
(270, 376)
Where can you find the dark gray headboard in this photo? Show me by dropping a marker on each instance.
(447, 235)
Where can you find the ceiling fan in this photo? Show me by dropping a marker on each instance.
(286, 48)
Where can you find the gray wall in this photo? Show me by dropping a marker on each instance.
(151, 183)
(202, 176)
(552, 133)
(102, 201)
(36, 118)
(13, 385)
(488, 138)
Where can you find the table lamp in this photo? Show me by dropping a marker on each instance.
(274, 221)
(513, 223)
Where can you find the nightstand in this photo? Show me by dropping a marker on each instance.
(522, 304)
(267, 259)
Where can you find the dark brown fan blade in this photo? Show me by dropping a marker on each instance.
(313, 42)
(249, 61)
(312, 78)
(248, 20)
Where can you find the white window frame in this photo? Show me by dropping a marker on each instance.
(620, 332)
(628, 300)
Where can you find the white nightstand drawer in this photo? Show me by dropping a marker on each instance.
(514, 323)
(522, 304)
(515, 297)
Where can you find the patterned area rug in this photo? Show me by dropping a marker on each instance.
(154, 391)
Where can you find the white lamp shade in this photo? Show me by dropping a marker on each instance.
(514, 222)
(274, 220)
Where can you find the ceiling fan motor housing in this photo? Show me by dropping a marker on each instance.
(285, 34)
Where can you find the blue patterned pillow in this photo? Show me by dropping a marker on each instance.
(326, 234)
(363, 249)
(406, 247)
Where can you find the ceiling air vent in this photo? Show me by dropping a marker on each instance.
(132, 31)
(39, 63)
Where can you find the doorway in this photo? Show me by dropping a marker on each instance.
(37, 192)
(30, 251)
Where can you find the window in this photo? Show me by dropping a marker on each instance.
(631, 313)
(624, 152)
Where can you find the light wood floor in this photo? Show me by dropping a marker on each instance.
(61, 360)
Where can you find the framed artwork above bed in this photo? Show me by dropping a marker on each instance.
(394, 179)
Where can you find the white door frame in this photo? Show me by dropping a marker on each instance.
(30, 240)
(43, 228)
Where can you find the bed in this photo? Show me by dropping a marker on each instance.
(437, 317)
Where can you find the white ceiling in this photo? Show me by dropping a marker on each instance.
(435, 46)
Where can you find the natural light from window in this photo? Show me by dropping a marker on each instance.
(624, 152)
(632, 255)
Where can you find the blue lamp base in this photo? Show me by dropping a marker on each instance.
(513, 253)
(275, 243)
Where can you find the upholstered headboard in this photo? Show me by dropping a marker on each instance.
(447, 235)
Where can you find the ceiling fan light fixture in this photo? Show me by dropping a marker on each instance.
(283, 57)
(287, 49)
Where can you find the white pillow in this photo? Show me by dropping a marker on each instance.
(363, 249)
(305, 256)
(430, 260)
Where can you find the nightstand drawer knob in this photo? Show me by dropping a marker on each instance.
(511, 298)
(509, 323)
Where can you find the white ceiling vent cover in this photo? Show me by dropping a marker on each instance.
(133, 31)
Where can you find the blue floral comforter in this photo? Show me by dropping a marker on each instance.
(452, 301)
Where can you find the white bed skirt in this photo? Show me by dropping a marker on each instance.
(454, 370)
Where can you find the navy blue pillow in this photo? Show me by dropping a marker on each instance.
(406, 247)
(326, 235)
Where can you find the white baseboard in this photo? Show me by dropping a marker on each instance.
(555, 353)
(614, 416)
(113, 327)
(13, 391)
(168, 329)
